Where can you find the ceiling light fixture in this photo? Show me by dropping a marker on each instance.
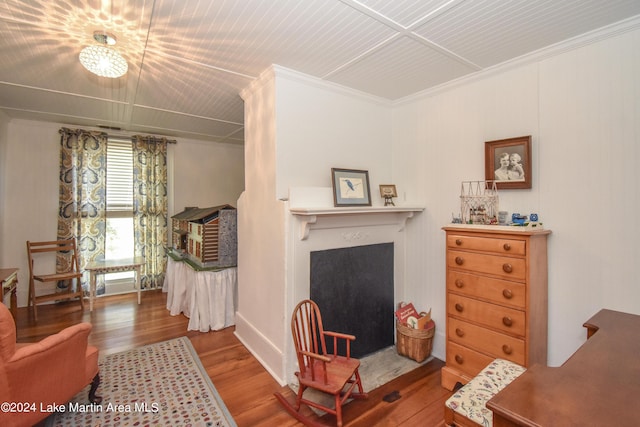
(103, 60)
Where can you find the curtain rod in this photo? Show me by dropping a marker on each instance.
(104, 128)
(128, 137)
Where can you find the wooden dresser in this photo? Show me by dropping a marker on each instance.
(496, 298)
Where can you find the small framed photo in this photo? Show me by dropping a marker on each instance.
(388, 190)
(350, 187)
(508, 162)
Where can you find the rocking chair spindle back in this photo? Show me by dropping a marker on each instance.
(330, 373)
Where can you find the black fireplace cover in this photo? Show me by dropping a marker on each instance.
(355, 292)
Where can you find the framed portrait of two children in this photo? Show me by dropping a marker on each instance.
(508, 162)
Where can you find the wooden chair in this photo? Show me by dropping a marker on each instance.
(73, 272)
(329, 373)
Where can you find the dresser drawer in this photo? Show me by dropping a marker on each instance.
(466, 360)
(487, 244)
(509, 268)
(495, 316)
(486, 341)
(504, 292)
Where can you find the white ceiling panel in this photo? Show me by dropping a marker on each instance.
(188, 59)
(216, 129)
(407, 12)
(69, 121)
(247, 37)
(492, 31)
(46, 65)
(190, 88)
(65, 105)
(398, 68)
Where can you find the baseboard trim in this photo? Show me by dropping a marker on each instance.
(267, 353)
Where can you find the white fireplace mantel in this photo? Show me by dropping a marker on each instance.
(314, 224)
(342, 217)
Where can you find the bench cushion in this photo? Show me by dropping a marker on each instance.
(470, 400)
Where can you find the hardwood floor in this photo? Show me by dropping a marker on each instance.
(119, 323)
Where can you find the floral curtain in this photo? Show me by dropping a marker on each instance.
(150, 207)
(82, 204)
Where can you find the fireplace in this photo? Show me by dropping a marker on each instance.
(320, 233)
(354, 289)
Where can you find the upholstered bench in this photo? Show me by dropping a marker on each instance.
(466, 407)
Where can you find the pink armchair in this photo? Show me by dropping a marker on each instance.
(45, 373)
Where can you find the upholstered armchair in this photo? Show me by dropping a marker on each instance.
(33, 377)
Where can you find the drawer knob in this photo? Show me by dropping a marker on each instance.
(507, 321)
(459, 332)
(507, 268)
(459, 242)
(507, 349)
(507, 293)
(459, 359)
(459, 260)
(507, 247)
(459, 307)
(459, 284)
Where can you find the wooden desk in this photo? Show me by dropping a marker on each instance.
(9, 280)
(113, 266)
(598, 386)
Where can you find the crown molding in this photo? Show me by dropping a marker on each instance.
(613, 30)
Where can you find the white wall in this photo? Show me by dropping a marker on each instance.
(297, 128)
(590, 183)
(206, 174)
(31, 194)
(582, 108)
(4, 130)
(30, 169)
(320, 126)
(261, 248)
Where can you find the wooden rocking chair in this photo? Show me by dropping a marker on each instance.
(329, 373)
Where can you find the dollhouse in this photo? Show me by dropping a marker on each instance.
(206, 236)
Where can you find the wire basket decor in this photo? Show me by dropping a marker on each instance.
(479, 202)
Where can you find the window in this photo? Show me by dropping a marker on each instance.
(133, 227)
(119, 233)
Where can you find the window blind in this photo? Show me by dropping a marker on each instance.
(119, 176)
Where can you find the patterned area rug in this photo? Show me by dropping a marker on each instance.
(159, 384)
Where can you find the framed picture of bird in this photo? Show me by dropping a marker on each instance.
(350, 187)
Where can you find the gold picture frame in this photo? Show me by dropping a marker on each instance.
(388, 190)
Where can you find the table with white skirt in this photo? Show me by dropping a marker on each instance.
(206, 297)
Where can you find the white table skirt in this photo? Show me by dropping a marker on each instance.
(207, 298)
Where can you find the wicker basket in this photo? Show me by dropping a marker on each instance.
(416, 344)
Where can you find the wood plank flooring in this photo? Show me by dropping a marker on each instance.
(119, 323)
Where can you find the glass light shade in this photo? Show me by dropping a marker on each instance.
(103, 61)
